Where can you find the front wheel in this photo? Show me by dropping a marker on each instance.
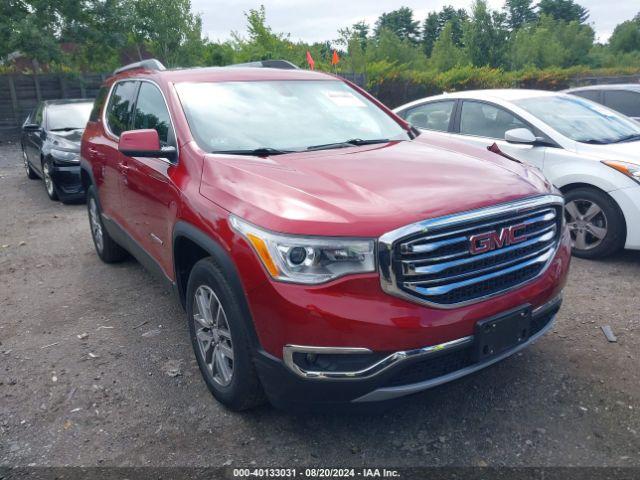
(31, 174)
(220, 338)
(595, 222)
(49, 184)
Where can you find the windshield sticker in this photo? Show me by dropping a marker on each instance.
(344, 99)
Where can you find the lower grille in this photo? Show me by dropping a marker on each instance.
(456, 260)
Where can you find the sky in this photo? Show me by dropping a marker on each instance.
(316, 20)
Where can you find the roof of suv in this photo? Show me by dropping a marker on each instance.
(227, 74)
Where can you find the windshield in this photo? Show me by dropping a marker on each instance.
(289, 115)
(68, 116)
(581, 120)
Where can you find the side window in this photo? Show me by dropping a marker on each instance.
(151, 112)
(483, 120)
(120, 107)
(625, 102)
(593, 95)
(37, 118)
(98, 104)
(431, 116)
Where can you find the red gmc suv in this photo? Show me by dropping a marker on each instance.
(324, 251)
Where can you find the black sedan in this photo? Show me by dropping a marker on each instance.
(51, 146)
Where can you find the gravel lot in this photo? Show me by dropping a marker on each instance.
(109, 398)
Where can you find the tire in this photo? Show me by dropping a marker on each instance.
(49, 184)
(31, 174)
(227, 345)
(594, 235)
(106, 247)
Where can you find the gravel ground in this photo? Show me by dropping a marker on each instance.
(109, 397)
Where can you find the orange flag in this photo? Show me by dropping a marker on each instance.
(335, 59)
(310, 61)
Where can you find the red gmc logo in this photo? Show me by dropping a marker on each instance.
(485, 242)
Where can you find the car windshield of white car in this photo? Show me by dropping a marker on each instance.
(282, 116)
(582, 120)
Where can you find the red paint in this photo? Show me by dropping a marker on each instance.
(360, 192)
(139, 140)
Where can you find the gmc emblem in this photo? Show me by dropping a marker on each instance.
(485, 242)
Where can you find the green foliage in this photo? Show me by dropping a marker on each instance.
(626, 36)
(401, 23)
(446, 54)
(485, 36)
(519, 13)
(565, 10)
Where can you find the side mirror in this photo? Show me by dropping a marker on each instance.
(31, 127)
(520, 135)
(144, 143)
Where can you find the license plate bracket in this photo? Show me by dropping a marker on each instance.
(496, 335)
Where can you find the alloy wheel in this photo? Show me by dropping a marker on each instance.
(26, 162)
(587, 223)
(96, 226)
(213, 335)
(48, 182)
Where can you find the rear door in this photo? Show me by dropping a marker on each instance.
(484, 123)
(150, 196)
(118, 118)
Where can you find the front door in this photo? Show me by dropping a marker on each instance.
(150, 195)
(483, 124)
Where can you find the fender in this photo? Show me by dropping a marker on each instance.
(224, 261)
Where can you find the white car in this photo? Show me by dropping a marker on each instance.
(591, 153)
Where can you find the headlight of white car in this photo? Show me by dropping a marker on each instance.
(65, 155)
(309, 260)
(629, 169)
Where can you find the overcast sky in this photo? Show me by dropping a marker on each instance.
(313, 20)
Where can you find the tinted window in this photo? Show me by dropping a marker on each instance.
(66, 116)
(98, 104)
(151, 112)
(432, 116)
(483, 120)
(282, 114)
(623, 101)
(120, 107)
(589, 95)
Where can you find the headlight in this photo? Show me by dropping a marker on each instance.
(309, 260)
(65, 155)
(629, 169)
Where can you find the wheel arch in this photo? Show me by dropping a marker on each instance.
(576, 185)
(190, 244)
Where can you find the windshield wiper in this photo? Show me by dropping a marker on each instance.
(256, 152)
(628, 138)
(65, 129)
(594, 141)
(348, 143)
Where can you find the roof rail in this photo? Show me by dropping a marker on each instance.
(150, 64)
(282, 64)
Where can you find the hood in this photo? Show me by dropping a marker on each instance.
(625, 151)
(66, 140)
(363, 191)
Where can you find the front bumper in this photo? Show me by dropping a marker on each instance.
(394, 375)
(67, 179)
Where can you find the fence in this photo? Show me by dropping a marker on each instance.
(20, 93)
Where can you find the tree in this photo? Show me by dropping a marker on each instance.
(519, 12)
(430, 32)
(401, 23)
(446, 54)
(566, 10)
(458, 19)
(485, 36)
(626, 36)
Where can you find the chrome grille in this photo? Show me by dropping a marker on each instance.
(431, 262)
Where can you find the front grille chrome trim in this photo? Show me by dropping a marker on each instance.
(531, 209)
